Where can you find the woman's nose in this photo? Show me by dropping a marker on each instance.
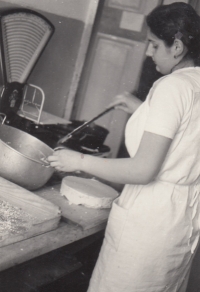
(149, 51)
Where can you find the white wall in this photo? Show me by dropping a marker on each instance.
(76, 9)
(59, 68)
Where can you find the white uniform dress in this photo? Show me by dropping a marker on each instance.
(153, 230)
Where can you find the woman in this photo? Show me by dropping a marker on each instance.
(153, 228)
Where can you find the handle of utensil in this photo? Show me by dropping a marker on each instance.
(3, 116)
(65, 138)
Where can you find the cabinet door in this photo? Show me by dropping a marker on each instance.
(113, 64)
(115, 68)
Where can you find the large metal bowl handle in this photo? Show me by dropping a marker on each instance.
(43, 161)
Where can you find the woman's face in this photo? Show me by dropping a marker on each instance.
(162, 55)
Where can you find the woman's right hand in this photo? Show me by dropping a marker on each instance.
(126, 102)
(66, 160)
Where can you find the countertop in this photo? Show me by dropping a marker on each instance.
(67, 231)
(22, 251)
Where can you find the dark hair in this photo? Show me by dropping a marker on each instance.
(177, 20)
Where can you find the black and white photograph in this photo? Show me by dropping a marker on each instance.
(99, 146)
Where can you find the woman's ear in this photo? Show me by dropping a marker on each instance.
(179, 48)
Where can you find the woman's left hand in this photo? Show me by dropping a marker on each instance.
(66, 160)
(126, 102)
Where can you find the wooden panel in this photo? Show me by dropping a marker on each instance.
(84, 44)
(132, 21)
(166, 2)
(138, 6)
(25, 250)
(110, 24)
(45, 215)
(115, 68)
(133, 5)
(150, 5)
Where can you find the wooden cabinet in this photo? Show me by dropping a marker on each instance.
(113, 64)
(115, 67)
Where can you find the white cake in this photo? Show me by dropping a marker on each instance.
(88, 192)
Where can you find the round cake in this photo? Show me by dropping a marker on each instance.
(87, 192)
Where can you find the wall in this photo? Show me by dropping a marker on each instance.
(55, 68)
(68, 8)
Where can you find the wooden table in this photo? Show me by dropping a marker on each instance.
(25, 250)
(41, 259)
(71, 228)
(33, 263)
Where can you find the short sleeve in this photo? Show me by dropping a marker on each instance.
(167, 106)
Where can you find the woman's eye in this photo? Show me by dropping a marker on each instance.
(155, 46)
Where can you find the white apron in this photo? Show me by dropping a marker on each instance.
(151, 235)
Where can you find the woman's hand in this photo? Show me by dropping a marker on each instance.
(126, 102)
(66, 160)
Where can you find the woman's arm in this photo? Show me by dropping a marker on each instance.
(141, 169)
